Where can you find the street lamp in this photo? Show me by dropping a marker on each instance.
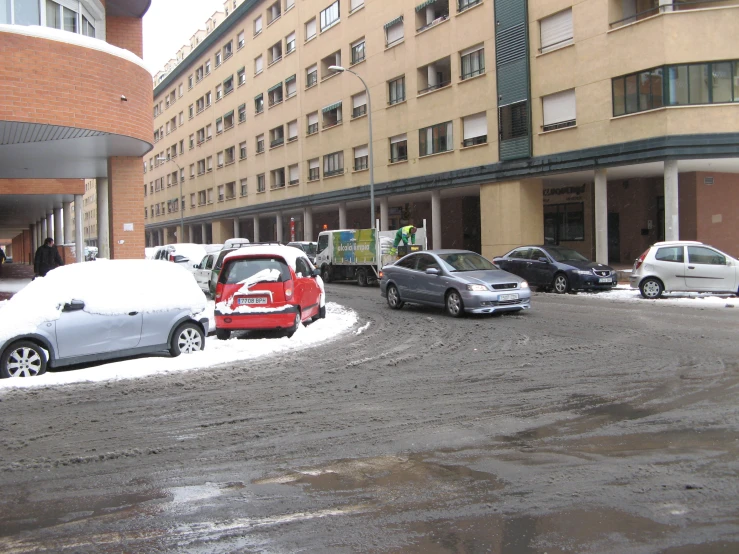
(369, 120)
(181, 200)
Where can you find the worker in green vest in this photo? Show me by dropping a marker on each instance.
(403, 234)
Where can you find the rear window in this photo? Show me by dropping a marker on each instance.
(237, 271)
(222, 255)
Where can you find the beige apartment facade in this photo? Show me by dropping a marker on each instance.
(603, 125)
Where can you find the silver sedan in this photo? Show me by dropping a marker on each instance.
(458, 280)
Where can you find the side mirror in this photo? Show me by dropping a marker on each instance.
(316, 272)
(74, 306)
(432, 271)
(543, 259)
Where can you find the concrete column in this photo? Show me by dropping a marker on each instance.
(436, 218)
(160, 237)
(44, 230)
(672, 207)
(342, 215)
(191, 233)
(384, 213)
(79, 241)
(32, 229)
(256, 228)
(203, 233)
(50, 225)
(221, 230)
(58, 235)
(102, 192)
(67, 214)
(237, 228)
(280, 234)
(308, 223)
(601, 216)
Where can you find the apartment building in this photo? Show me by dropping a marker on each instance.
(603, 125)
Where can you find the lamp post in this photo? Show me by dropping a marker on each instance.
(182, 198)
(369, 120)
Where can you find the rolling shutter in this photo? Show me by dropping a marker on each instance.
(475, 126)
(556, 29)
(559, 107)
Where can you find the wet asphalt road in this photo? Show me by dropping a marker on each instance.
(580, 426)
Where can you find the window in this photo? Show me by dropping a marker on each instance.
(292, 130)
(201, 198)
(228, 85)
(192, 200)
(291, 86)
(394, 31)
(330, 16)
(219, 92)
(310, 29)
(208, 98)
(209, 193)
(274, 94)
(556, 30)
(179, 91)
(258, 25)
(475, 129)
(228, 50)
(58, 17)
(314, 170)
(201, 167)
(354, 5)
(643, 91)
(276, 137)
(290, 43)
(260, 183)
(191, 111)
(258, 65)
(219, 126)
(207, 67)
(473, 61)
(229, 155)
(329, 61)
(199, 74)
(189, 82)
(208, 132)
(358, 51)
(396, 90)
(705, 256)
(242, 113)
(273, 12)
(260, 143)
(559, 110)
(359, 104)
(240, 40)
(278, 178)
(243, 186)
(242, 150)
(192, 171)
(333, 164)
(275, 53)
(513, 121)
(361, 157)
(241, 76)
(201, 135)
(564, 222)
(293, 175)
(230, 190)
(259, 103)
(670, 254)
(200, 103)
(311, 76)
(182, 118)
(228, 120)
(218, 59)
(435, 139)
(209, 164)
(221, 193)
(332, 115)
(182, 147)
(430, 14)
(398, 148)
(435, 75)
(462, 5)
(312, 123)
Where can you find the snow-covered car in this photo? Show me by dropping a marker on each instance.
(89, 312)
(267, 287)
(185, 253)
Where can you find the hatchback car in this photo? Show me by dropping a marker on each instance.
(267, 287)
(90, 312)
(458, 280)
(684, 266)
(557, 268)
(229, 246)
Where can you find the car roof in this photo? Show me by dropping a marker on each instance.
(676, 243)
(445, 251)
(289, 253)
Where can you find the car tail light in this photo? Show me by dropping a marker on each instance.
(219, 291)
(380, 274)
(171, 257)
(288, 287)
(640, 259)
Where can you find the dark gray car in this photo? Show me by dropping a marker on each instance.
(458, 280)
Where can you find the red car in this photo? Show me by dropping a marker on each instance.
(267, 287)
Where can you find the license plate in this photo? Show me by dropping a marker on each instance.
(251, 300)
(504, 297)
(605, 280)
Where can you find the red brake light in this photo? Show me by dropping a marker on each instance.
(640, 259)
(288, 287)
(380, 274)
(219, 291)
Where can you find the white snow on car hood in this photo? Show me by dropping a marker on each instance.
(107, 287)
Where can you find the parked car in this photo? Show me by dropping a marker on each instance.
(557, 268)
(310, 249)
(684, 266)
(184, 253)
(458, 280)
(267, 287)
(229, 246)
(82, 313)
(203, 270)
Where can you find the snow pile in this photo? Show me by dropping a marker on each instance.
(338, 320)
(624, 293)
(107, 287)
(13, 285)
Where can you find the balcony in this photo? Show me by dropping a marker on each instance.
(434, 76)
(431, 13)
(626, 12)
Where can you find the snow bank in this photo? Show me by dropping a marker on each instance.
(107, 287)
(624, 293)
(338, 320)
(13, 285)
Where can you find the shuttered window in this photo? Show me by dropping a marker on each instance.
(559, 110)
(310, 29)
(475, 129)
(556, 30)
(394, 31)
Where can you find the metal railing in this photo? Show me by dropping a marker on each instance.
(435, 87)
(674, 7)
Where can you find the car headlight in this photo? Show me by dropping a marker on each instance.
(582, 272)
(477, 288)
(524, 285)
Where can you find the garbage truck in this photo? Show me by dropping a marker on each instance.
(360, 254)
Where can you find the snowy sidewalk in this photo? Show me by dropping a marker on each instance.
(624, 293)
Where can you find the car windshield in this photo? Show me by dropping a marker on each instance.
(222, 255)
(311, 249)
(238, 271)
(566, 255)
(466, 261)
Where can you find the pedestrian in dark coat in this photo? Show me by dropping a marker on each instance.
(46, 259)
(2, 260)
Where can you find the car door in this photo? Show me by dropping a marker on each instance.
(403, 273)
(200, 272)
(431, 288)
(537, 272)
(80, 333)
(517, 261)
(707, 269)
(669, 265)
(307, 291)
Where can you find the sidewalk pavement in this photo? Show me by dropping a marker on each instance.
(13, 277)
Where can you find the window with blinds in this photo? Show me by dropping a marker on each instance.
(310, 29)
(361, 158)
(314, 170)
(559, 110)
(394, 31)
(359, 104)
(475, 129)
(355, 5)
(556, 30)
(398, 148)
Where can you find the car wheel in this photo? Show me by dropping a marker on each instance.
(561, 284)
(454, 305)
(23, 359)
(362, 277)
(651, 288)
(223, 334)
(295, 326)
(393, 298)
(326, 273)
(188, 338)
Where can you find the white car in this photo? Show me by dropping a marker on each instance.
(186, 254)
(203, 270)
(684, 266)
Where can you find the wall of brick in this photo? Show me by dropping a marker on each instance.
(42, 186)
(22, 248)
(126, 203)
(125, 32)
(718, 211)
(50, 82)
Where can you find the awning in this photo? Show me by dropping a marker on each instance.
(331, 107)
(258, 96)
(426, 3)
(241, 70)
(290, 78)
(229, 114)
(242, 107)
(394, 21)
(278, 85)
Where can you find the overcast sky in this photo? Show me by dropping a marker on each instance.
(169, 24)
